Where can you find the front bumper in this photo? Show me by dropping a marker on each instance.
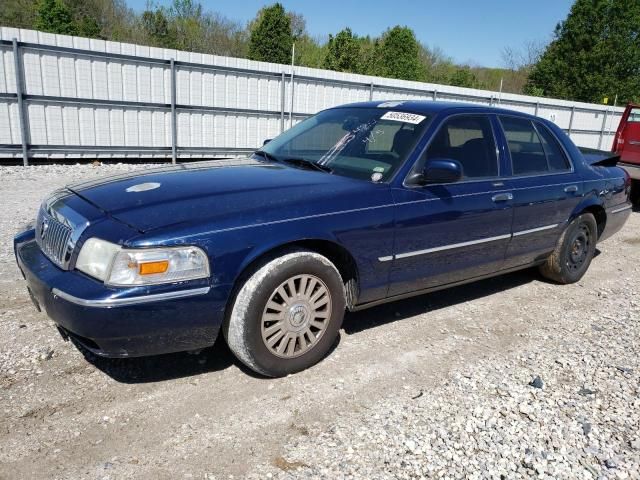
(122, 322)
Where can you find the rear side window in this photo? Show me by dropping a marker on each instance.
(532, 153)
(555, 156)
(527, 154)
(468, 139)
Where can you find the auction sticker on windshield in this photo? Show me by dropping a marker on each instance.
(403, 117)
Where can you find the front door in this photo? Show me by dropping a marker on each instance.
(451, 232)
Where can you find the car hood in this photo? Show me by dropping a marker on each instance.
(241, 193)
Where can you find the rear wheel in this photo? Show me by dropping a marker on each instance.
(287, 314)
(572, 256)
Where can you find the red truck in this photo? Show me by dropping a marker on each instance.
(626, 143)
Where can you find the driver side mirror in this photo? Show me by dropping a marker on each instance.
(437, 170)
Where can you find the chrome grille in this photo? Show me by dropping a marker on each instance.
(53, 238)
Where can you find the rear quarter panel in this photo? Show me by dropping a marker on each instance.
(603, 187)
(608, 187)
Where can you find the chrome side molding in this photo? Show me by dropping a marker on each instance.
(534, 230)
(466, 244)
(452, 246)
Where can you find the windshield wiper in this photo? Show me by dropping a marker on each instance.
(300, 162)
(266, 155)
(303, 162)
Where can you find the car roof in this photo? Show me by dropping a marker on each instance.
(430, 107)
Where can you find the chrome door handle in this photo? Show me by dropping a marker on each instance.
(571, 189)
(502, 197)
(634, 142)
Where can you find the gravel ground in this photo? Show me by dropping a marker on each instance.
(506, 378)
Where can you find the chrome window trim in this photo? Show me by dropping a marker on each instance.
(538, 175)
(124, 302)
(461, 182)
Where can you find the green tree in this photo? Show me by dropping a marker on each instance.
(18, 13)
(368, 56)
(437, 67)
(343, 52)
(298, 25)
(271, 37)
(310, 52)
(54, 16)
(595, 53)
(464, 77)
(106, 19)
(188, 24)
(398, 54)
(223, 36)
(88, 27)
(156, 26)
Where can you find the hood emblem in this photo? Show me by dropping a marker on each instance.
(143, 187)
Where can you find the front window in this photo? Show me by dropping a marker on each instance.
(469, 140)
(364, 143)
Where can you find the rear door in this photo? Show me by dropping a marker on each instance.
(627, 141)
(546, 188)
(450, 232)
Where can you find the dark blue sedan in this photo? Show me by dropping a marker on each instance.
(355, 206)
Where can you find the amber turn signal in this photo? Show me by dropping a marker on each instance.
(150, 268)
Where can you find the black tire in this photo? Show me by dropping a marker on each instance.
(572, 256)
(244, 328)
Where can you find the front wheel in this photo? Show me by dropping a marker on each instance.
(572, 256)
(287, 314)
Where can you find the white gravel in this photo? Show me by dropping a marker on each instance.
(490, 421)
(441, 386)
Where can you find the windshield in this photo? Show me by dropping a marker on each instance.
(364, 143)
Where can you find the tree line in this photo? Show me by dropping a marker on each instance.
(594, 53)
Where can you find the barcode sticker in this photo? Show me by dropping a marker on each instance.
(403, 117)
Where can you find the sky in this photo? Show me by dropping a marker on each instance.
(469, 31)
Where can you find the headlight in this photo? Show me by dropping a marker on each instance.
(95, 257)
(158, 265)
(125, 267)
